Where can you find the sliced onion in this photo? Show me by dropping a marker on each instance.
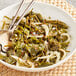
(63, 52)
(57, 55)
(46, 29)
(38, 36)
(1, 24)
(31, 63)
(4, 54)
(53, 55)
(36, 23)
(21, 60)
(43, 57)
(17, 58)
(45, 42)
(24, 19)
(46, 45)
(7, 21)
(65, 34)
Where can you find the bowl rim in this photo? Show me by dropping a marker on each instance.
(42, 68)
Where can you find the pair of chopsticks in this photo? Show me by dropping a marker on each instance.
(13, 24)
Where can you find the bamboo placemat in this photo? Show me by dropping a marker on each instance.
(66, 69)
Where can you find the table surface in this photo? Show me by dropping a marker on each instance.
(5, 3)
(66, 69)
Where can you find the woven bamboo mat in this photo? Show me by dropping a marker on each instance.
(66, 69)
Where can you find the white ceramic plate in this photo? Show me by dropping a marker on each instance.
(46, 10)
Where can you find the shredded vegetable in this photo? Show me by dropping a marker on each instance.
(36, 42)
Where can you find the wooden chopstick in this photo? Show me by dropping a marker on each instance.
(13, 21)
(15, 25)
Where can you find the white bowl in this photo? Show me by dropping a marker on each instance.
(46, 10)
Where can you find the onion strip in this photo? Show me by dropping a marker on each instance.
(65, 34)
(46, 29)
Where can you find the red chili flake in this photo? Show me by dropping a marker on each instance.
(36, 48)
(48, 38)
(22, 53)
(44, 36)
(36, 64)
(31, 32)
(44, 21)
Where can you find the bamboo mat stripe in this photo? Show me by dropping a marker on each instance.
(66, 69)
